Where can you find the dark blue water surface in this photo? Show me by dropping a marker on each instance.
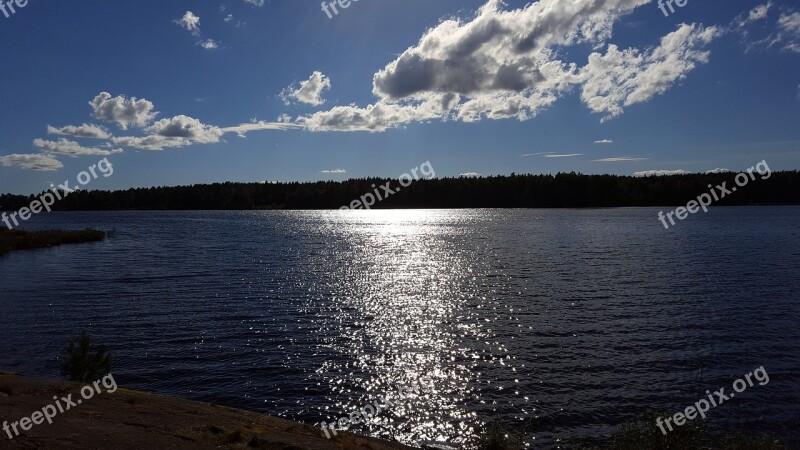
(569, 322)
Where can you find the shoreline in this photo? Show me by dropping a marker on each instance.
(18, 240)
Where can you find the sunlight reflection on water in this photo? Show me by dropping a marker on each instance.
(408, 312)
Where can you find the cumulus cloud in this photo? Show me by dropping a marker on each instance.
(377, 117)
(178, 131)
(35, 161)
(718, 170)
(190, 22)
(208, 44)
(505, 64)
(123, 111)
(153, 142)
(187, 128)
(334, 171)
(621, 78)
(71, 148)
(470, 175)
(82, 131)
(498, 50)
(309, 91)
(255, 2)
(659, 173)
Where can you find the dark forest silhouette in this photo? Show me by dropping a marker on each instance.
(564, 190)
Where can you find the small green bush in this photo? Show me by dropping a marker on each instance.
(497, 437)
(84, 362)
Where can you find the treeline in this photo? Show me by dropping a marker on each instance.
(564, 190)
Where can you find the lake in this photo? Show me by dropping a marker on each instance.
(567, 322)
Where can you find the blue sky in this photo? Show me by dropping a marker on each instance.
(386, 85)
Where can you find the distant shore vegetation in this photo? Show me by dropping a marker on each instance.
(564, 190)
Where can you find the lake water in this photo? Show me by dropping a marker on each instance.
(572, 321)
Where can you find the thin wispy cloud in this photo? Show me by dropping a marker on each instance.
(621, 159)
(245, 128)
(81, 131)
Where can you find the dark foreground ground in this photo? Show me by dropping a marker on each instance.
(132, 420)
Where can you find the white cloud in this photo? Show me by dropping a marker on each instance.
(71, 148)
(786, 35)
(245, 128)
(504, 64)
(621, 159)
(255, 2)
(190, 22)
(153, 142)
(208, 44)
(756, 14)
(334, 171)
(789, 35)
(621, 78)
(790, 23)
(378, 117)
(186, 127)
(178, 131)
(718, 170)
(659, 173)
(228, 18)
(35, 161)
(82, 131)
(604, 141)
(568, 155)
(123, 111)
(498, 50)
(470, 175)
(309, 92)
